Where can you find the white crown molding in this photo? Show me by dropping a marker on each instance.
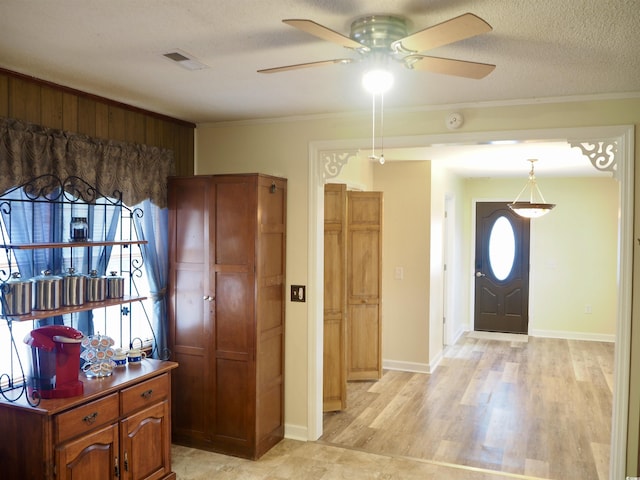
(428, 108)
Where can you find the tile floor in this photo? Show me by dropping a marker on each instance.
(292, 459)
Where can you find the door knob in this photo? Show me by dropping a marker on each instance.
(480, 274)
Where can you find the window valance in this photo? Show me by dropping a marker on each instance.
(138, 171)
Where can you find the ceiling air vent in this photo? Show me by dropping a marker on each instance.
(185, 60)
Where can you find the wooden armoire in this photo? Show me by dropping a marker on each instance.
(226, 311)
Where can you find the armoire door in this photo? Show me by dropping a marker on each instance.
(334, 393)
(364, 285)
(234, 291)
(190, 309)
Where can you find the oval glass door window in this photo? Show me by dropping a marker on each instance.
(502, 248)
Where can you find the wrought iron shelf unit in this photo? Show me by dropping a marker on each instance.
(42, 314)
(38, 246)
(34, 218)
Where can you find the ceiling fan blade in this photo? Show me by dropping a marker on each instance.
(320, 31)
(465, 26)
(449, 66)
(305, 65)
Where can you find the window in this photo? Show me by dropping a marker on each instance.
(123, 323)
(502, 248)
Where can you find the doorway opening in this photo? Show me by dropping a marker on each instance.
(329, 156)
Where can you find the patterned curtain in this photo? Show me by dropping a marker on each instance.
(139, 171)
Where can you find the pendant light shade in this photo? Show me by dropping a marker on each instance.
(536, 206)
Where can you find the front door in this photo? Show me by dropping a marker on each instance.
(501, 269)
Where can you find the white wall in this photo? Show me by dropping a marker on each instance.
(282, 147)
(405, 246)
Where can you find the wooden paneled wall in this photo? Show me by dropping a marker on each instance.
(55, 106)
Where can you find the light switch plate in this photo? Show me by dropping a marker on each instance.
(298, 293)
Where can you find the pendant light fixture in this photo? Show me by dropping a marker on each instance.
(533, 208)
(377, 82)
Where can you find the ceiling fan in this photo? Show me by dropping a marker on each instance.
(378, 38)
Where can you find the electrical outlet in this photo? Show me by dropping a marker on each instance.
(399, 273)
(298, 293)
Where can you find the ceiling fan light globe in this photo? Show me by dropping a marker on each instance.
(377, 81)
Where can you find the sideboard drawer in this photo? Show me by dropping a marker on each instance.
(82, 419)
(145, 393)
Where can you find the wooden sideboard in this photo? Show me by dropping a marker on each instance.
(119, 428)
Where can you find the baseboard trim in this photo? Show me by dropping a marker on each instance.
(461, 331)
(591, 337)
(407, 366)
(296, 432)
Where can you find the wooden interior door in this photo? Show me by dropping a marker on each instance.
(334, 393)
(364, 285)
(502, 269)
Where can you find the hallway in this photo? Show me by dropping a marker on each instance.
(539, 407)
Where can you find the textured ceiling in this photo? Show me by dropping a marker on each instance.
(544, 48)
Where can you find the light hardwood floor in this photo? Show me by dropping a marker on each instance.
(539, 408)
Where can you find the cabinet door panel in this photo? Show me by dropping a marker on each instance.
(190, 308)
(231, 394)
(364, 263)
(190, 221)
(191, 399)
(94, 456)
(146, 443)
(234, 323)
(234, 223)
(364, 346)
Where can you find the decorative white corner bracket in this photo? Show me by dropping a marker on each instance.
(332, 162)
(601, 154)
